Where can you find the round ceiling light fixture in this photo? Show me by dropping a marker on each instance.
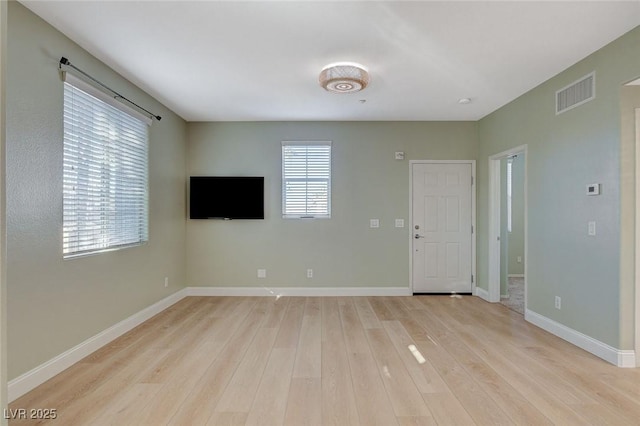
(344, 77)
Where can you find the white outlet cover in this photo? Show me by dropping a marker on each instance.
(374, 223)
(591, 228)
(262, 273)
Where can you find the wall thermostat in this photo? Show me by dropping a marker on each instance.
(593, 189)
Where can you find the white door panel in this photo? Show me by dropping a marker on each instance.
(441, 227)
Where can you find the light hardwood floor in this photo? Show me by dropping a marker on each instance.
(339, 361)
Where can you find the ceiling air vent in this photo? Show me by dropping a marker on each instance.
(576, 94)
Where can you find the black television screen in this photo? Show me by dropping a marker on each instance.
(226, 197)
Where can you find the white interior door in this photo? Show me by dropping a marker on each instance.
(441, 229)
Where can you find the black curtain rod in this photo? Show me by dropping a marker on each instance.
(66, 62)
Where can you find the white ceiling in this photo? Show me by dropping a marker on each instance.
(260, 60)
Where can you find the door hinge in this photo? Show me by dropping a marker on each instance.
(471, 279)
(472, 229)
(471, 180)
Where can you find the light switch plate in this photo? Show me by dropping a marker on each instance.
(399, 223)
(592, 228)
(399, 155)
(374, 223)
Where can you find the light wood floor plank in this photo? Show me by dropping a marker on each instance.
(239, 393)
(308, 363)
(199, 405)
(447, 410)
(270, 404)
(477, 403)
(503, 394)
(416, 421)
(305, 402)
(396, 307)
(289, 332)
(228, 419)
(423, 373)
(123, 409)
(382, 312)
(338, 400)
(338, 361)
(372, 401)
(505, 362)
(405, 397)
(367, 316)
(183, 378)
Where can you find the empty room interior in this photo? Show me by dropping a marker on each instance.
(288, 213)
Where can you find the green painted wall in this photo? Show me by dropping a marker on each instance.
(565, 153)
(56, 304)
(367, 183)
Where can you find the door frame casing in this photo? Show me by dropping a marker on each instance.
(473, 216)
(494, 222)
(637, 236)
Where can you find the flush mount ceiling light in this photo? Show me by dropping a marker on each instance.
(344, 77)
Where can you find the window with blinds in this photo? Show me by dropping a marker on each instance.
(306, 180)
(105, 162)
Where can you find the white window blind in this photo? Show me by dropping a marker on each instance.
(105, 162)
(306, 179)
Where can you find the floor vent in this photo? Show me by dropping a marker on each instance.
(576, 94)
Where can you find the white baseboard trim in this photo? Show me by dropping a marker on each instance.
(515, 276)
(298, 291)
(482, 293)
(33, 378)
(620, 358)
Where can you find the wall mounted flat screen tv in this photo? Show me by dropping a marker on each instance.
(226, 197)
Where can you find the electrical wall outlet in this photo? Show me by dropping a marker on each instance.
(374, 223)
(593, 189)
(166, 282)
(309, 273)
(519, 259)
(591, 231)
(262, 273)
(558, 302)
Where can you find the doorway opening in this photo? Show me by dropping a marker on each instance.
(508, 228)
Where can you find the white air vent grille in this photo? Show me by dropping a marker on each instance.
(576, 94)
